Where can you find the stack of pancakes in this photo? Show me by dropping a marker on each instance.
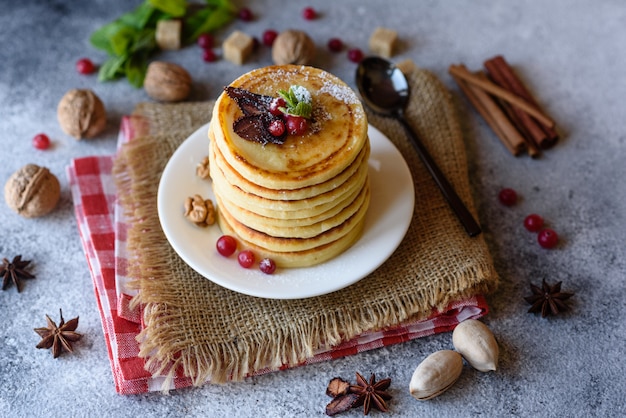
(302, 202)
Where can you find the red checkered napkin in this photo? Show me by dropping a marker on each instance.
(102, 230)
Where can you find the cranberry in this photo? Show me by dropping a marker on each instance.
(547, 238)
(309, 13)
(355, 55)
(205, 41)
(85, 66)
(245, 258)
(276, 127)
(335, 44)
(508, 197)
(267, 266)
(296, 125)
(208, 55)
(41, 141)
(533, 222)
(245, 14)
(275, 106)
(269, 36)
(226, 245)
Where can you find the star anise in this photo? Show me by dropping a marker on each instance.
(547, 299)
(347, 396)
(371, 393)
(59, 338)
(14, 271)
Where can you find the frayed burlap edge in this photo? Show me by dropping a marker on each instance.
(180, 307)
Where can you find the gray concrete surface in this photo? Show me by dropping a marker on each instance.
(572, 55)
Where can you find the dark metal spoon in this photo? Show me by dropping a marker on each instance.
(385, 90)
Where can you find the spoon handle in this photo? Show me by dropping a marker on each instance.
(469, 223)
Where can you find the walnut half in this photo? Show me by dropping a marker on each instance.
(199, 211)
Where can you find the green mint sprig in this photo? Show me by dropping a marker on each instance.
(129, 41)
(299, 102)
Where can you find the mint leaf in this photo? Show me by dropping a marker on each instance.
(298, 101)
(101, 38)
(111, 69)
(122, 39)
(175, 8)
(136, 68)
(206, 20)
(139, 17)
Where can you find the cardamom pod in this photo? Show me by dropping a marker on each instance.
(476, 343)
(435, 374)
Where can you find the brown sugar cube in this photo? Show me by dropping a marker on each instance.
(167, 34)
(237, 47)
(383, 41)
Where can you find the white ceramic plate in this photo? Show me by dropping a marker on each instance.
(387, 221)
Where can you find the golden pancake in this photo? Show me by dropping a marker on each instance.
(332, 142)
(265, 224)
(306, 258)
(234, 178)
(308, 207)
(282, 244)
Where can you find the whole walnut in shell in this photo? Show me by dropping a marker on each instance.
(293, 47)
(81, 114)
(167, 82)
(32, 191)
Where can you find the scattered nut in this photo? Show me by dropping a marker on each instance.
(167, 34)
(237, 47)
(476, 343)
(203, 170)
(435, 374)
(293, 47)
(383, 42)
(200, 211)
(167, 82)
(32, 191)
(81, 114)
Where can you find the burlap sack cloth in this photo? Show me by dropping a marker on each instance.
(219, 334)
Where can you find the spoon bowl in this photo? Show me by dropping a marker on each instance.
(382, 85)
(385, 90)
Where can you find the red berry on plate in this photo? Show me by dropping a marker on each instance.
(275, 106)
(267, 266)
(547, 238)
(245, 14)
(245, 258)
(309, 13)
(85, 66)
(508, 197)
(226, 245)
(533, 222)
(335, 44)
(276, 127)
(205, 41)
(269, 36)
(41, 141)
(355, 55)
(208, 55)
(296, 125)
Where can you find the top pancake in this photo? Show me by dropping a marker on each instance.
(336, 135)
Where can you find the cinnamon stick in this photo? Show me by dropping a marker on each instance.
(527, 127)
(501, 72)
(494, 117)
(462, 72)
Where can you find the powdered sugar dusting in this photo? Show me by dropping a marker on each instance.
(302, 94)
(340, 92)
